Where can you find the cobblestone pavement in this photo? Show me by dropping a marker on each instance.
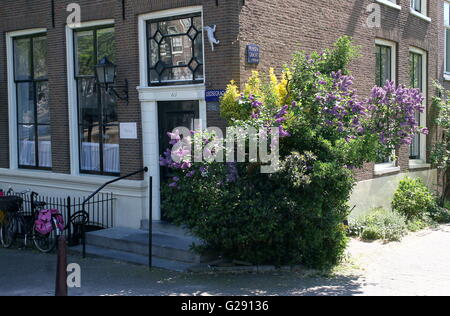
(420, 265)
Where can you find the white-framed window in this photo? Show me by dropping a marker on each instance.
(418, 79)
(174, 47)
(29, 111)
(419, 8)
(94, 127)
(447, 40)
(385, 70)
(385, 66)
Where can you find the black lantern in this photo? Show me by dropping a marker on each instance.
(105, 73)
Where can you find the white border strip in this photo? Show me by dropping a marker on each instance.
(420, 15)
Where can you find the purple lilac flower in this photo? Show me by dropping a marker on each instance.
(174, 137)
(232, 172)
(283, 132)
(190, 174)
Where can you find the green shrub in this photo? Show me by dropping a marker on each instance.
(379, 224)
(440, 215)
(447, 204)
(418, 224)
(413, 199)
(294, 216)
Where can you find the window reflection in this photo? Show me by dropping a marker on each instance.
(33, 112)
(97, 109)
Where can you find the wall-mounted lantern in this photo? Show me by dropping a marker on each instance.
(105, 73)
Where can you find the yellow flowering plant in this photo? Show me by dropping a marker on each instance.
(269, 90)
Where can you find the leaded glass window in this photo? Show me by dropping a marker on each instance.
(175, 50)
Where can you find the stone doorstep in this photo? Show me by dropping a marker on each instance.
(161, 263)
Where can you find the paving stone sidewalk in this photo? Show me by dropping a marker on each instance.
(420, 265)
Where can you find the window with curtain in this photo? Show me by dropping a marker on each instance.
(416, 76)
(175, 50)
(97, 108)
(33, 112)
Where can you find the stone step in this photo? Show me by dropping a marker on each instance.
(171, 247)
(123, 256)
(161, 227)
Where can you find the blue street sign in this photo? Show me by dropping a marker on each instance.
(253, 54)
(214, 95)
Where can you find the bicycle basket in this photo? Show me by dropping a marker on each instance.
(10, 203)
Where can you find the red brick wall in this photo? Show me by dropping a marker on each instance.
(279, 27)
(222, 65)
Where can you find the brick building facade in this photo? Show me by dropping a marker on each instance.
(278, 27)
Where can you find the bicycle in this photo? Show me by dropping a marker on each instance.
(18, 224)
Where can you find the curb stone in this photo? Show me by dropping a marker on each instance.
(202, 268)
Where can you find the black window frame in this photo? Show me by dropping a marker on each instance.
(102, 124)
(188, 65)
(33, 81)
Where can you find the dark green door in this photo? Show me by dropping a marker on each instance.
(175, 114)
(172, 115)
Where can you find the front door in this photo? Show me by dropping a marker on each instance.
(171, 115)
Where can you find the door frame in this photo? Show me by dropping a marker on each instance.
(149, 98)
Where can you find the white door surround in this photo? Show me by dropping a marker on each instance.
(149, 98)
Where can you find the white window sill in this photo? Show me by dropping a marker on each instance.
(382, 169)
(418, 164)
(447, 76)
(420, 15)
(390, 4)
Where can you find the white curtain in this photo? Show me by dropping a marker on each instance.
(90, 157)
(27, 153)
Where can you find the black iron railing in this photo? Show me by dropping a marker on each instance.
(99, 210)
(92, 197)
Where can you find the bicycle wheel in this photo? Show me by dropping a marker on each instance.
(8, 231)
(44, 243)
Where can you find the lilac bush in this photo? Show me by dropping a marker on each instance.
(326, 129)
(393, 114)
